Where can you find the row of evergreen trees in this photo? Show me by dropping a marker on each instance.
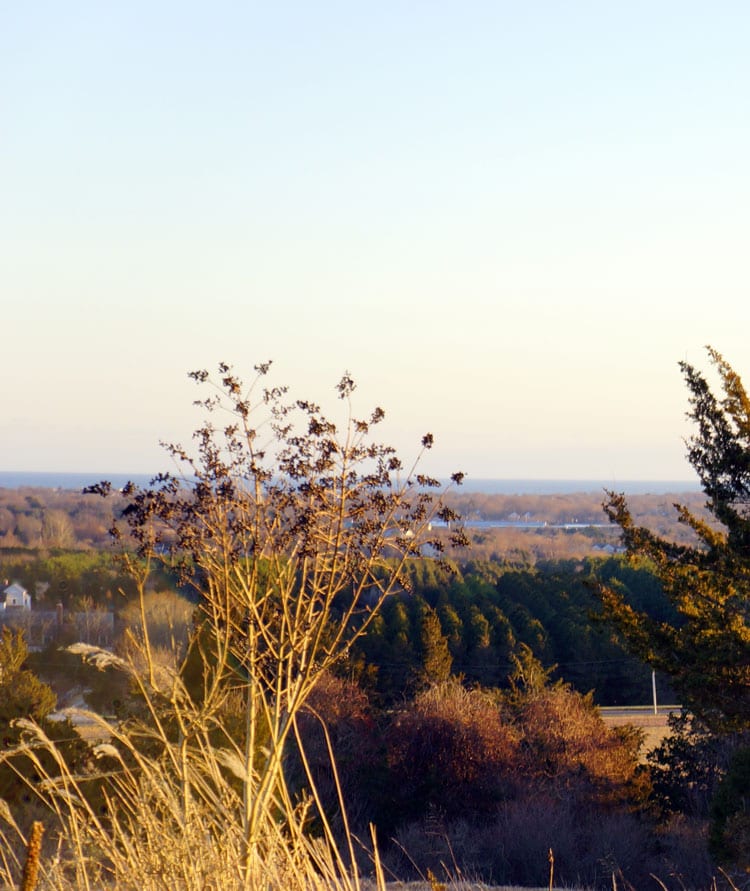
(470, 622)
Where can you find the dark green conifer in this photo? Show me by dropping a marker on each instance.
(435, 656)
(706, 651)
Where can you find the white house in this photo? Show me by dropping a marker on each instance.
(15, 597)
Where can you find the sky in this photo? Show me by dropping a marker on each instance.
(507, 221)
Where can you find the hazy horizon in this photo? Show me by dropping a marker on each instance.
(512, 486)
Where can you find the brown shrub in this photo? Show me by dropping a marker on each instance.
(344, 708)
(567, 745)
(450, 751)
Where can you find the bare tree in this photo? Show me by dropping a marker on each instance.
(57, 529)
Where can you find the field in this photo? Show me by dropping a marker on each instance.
(654, 726)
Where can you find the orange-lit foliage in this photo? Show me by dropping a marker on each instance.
(567, 746)
(450, 749)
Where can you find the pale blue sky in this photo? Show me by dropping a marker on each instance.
(509, 221)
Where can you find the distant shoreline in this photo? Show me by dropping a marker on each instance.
(78, 481)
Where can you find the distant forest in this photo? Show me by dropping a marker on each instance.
(513, 586)
(51, 518)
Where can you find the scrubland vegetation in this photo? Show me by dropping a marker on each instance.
(312, 686)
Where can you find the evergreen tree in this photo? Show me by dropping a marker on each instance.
(435, 656)
(24, 695)
(707, 650)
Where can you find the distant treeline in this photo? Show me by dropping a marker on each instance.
(38, 518)
(581, 507)
(51, 518)
(588, 536)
